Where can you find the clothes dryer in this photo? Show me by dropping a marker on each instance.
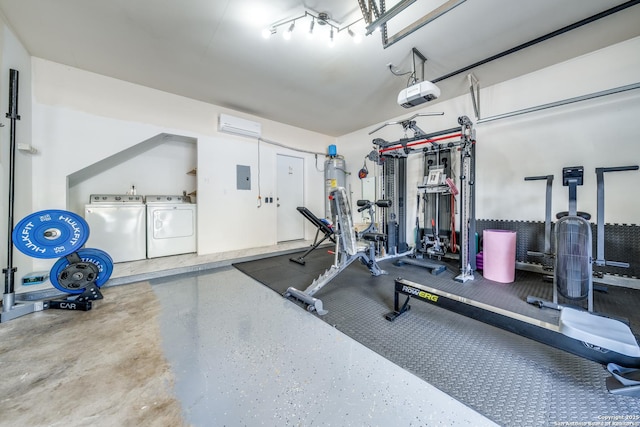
(171, 225)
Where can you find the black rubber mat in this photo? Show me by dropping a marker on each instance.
(621, 243)
(510, 379)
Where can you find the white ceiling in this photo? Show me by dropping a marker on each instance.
(213, 51)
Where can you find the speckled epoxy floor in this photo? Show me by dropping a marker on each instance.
(244, 356)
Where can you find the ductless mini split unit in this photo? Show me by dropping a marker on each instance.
(238, 126)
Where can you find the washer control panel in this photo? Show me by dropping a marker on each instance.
(116, 198)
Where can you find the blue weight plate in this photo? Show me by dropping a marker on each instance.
(97, 257)
(50, 234)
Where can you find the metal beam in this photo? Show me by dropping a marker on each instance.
(431, 16)
(388, 15)
(562, 30)
(562, 102)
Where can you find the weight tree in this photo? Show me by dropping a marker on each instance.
(11, 310)
(50, 234)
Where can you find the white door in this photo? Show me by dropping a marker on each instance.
(290, 196)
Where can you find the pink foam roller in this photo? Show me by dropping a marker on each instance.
(499, 260)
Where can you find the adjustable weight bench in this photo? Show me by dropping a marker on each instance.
(347, 251)
(322, 226)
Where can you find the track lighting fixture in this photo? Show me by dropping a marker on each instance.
(322, 19)
(268, 32)
(357, 38)
(313, 23)
(287, 35)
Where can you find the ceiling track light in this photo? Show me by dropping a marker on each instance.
(313, 22)
(357, 38)
(287, 35)
(321, 19)
(268, 32)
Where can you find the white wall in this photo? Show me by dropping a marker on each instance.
(161, 169)
(238, 219)
(14, 56)
(80, 118)
(595, 133)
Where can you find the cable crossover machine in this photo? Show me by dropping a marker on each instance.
(437, 191)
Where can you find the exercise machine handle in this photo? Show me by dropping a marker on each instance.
(617, 264)
(618, 169)
(537, 178)
(547, 208)
(600, 220)
(363, 205)
(602, 263)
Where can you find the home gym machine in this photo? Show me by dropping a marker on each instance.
(437, 190)
(596, 337)
(349, 247)
(573, 261)
(50, 234)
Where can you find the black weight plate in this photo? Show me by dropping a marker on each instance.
(74, 278)
(61, 274)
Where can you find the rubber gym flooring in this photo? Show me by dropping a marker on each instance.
(512, 380)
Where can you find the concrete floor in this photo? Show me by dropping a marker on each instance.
(244, 356)
(100, 368)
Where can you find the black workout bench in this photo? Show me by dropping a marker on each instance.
(321, 226)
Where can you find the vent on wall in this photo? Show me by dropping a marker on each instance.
(238, 126)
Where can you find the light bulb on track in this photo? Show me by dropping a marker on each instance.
(357, 38)
(287, 35)
(268, 32)
(313, 23)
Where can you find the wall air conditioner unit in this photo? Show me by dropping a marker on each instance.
(238, 126)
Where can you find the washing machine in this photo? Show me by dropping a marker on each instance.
(117, 225)
(171, 225)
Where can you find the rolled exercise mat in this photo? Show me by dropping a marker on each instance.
(499, 255)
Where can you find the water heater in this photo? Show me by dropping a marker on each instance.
(335, 174)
